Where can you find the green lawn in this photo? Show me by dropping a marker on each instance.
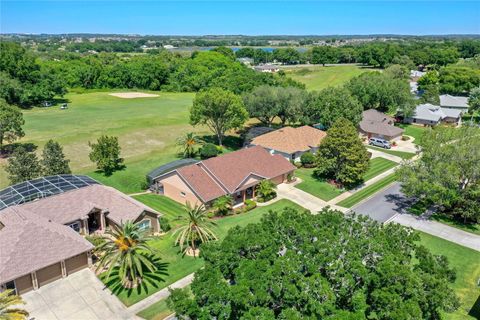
(402, 154)
(414, 131)
(146, 127)
(157, 311)
(466, 262)
(472, 228)
(318, 78)
(368, 191)
(325, 191)
(377, 166)
(180, 266)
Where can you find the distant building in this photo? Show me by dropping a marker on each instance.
(246, 61)
(376, 124)
(429, 114)
(454, 102)
(267, 68)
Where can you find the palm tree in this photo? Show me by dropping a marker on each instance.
(196, 229)
(223, 204)
(187, 144)
(266, 190)
(126, 248)
(9, 309)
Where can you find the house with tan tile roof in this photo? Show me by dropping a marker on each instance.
(236, 174)
(291, 142)
(42, 239)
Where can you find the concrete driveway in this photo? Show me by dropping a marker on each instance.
(384, 205)
(80, 296)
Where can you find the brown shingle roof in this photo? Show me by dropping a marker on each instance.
(290, 140)
(201, 182)
(30, 242)
(379, 123)
(76, 204)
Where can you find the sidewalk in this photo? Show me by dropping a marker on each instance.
(348, 193)
(162, 294)
(440, 230)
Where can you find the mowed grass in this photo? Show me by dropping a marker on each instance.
(146, 128)
(402, 154)
(368, 191)
(326, 191)
(466, 263)
(318, 77)
(414, 131)
(180, 266)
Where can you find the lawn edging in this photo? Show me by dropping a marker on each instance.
(368, 192)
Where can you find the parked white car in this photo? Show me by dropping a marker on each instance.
(377, 142)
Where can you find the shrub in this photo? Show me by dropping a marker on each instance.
(290, 177)
(308, 160)
(164, 224)
(210, 214)
(266, 191)
(96, 240)
(405, 138)
(208, 150)
(250, 204)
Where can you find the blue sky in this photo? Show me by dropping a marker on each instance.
(241, 17)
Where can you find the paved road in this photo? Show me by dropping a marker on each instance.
(385, 204)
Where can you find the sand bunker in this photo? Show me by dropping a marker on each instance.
(133, 95)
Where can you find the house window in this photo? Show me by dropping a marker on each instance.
(75, 226)
(145, 224)
(10, 286)
(183, 194)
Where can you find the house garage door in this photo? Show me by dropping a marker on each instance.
(49, 274)
(76, 263)
(24, 284)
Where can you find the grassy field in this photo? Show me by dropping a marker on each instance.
(326, 191)
(146, 127)
(318, 78)
(402, 154)
(466, 263)
(159, 310)
(180, 266)
(368, 191)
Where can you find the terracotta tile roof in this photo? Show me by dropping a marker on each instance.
(76, 204)
(30, 242)
(290, 140)
(201, 182)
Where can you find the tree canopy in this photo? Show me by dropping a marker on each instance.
(341, 155)
(11, 122)
(330, 104)
(53, 160)
(447, 174)
(22, 166)
(220, 110)
(106, 154)
(295, 265)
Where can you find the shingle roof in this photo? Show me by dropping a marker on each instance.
(76, 204)
(232, 168)
(379, 123)
(30, 242)
(223, 175)
(431, 112)
(447, 100)
(290, 140)
(201, 182)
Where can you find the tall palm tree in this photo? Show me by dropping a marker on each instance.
(196, 229)
(187, 144)
(9, 309)
(126, 248)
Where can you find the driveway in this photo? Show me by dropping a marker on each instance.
(384, 205)
(80, 296)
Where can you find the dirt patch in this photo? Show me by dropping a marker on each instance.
(133, 95)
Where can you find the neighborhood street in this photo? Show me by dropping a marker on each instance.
(384, 205)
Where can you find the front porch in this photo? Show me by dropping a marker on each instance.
(239, 197)
(94, 223)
